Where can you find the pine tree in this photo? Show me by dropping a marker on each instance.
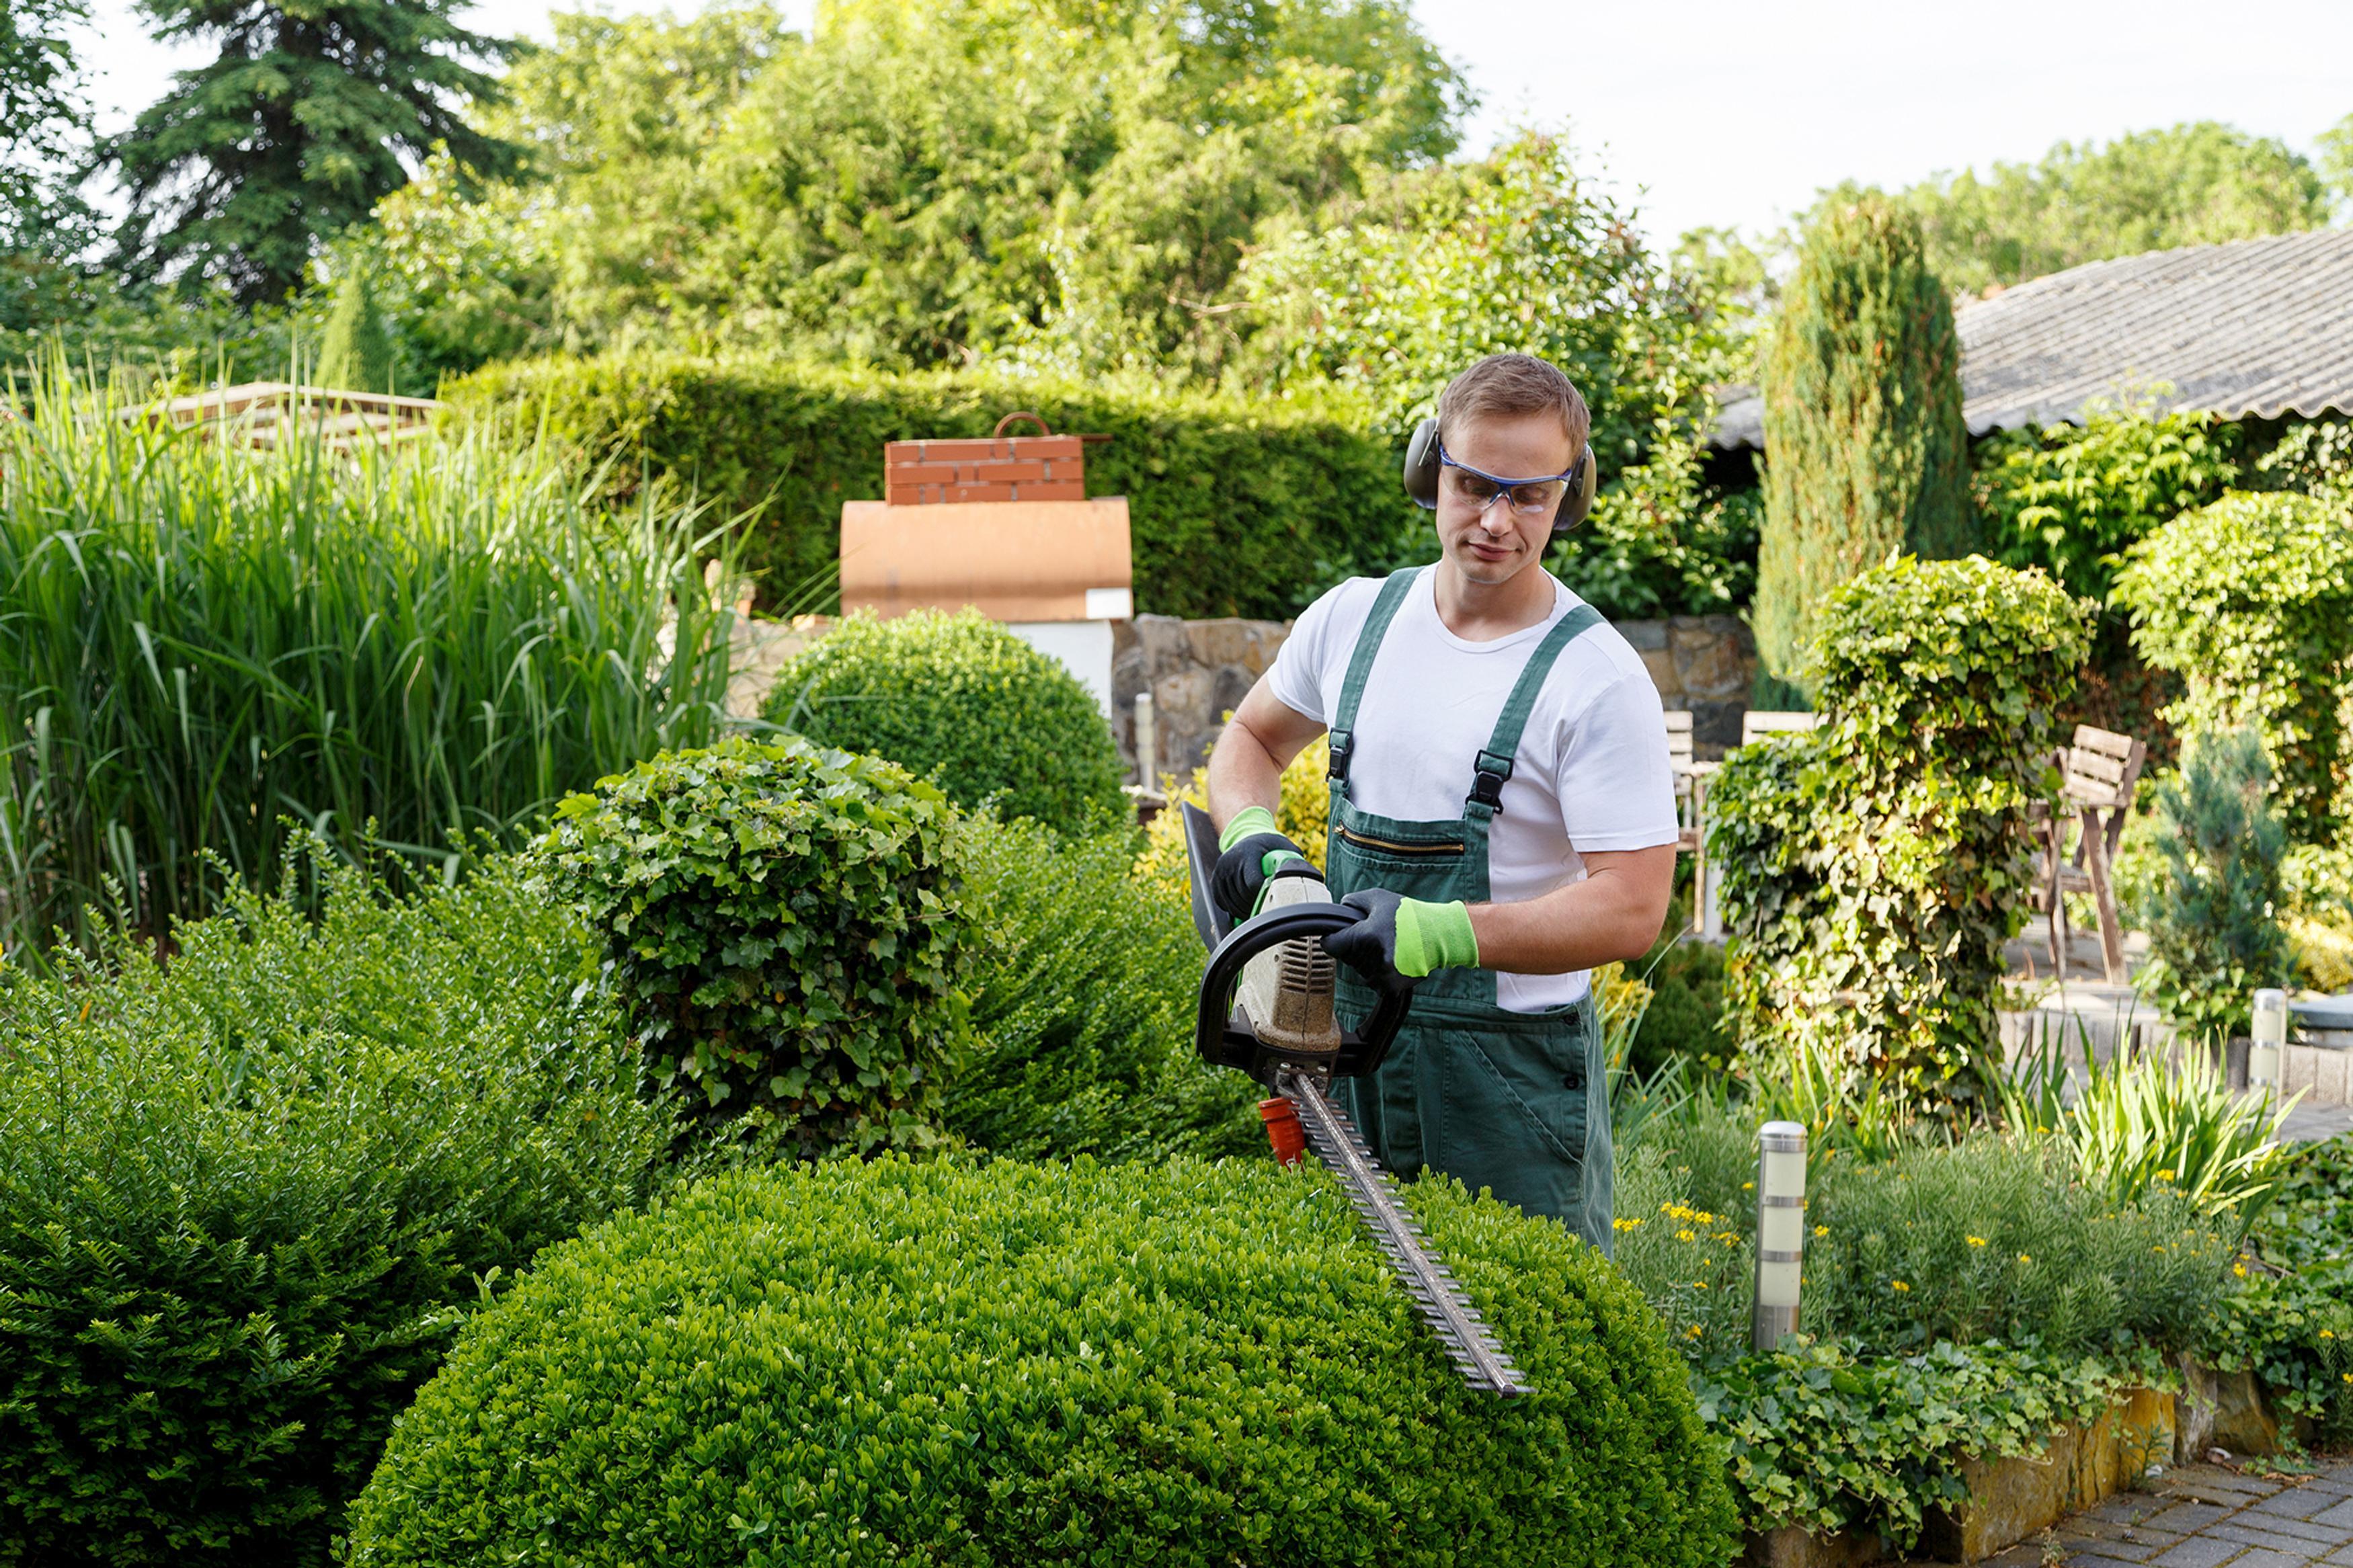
(295, 132)
(1865, 451)
(356, 353)
(2214, 932)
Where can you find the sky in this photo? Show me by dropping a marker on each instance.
(1733, 114)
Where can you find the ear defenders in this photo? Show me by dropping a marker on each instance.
(1422, 469)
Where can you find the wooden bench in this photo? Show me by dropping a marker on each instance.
(1759, 722)
(2098, 775)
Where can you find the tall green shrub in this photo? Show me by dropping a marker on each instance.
(1239, 507)
(2250, 601)
(2214, 921)
(959, 700)
(356, 352)
(1865, 453)
(199, 641)
(783, 924)
(1187, 1363)
(1874, 866)
(247, 1198)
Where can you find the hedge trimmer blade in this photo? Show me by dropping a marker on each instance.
(1443, 1302)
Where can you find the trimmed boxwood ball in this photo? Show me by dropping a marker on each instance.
(785, 925)
(900, 1361)
(962, 700)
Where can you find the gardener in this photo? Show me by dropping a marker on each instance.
(1501, 809)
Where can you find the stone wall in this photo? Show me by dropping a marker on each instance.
(1198, 670)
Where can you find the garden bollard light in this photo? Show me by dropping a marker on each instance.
(1780, 1231)
(2269, 1039)
(1147, 744)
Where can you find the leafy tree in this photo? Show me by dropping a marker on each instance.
(2337, 162)
(295, 132)
(44, 223)
(909, 187)
(2192, 184)
(1865, 454)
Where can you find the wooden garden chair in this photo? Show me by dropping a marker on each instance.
(1768, 722)
(2099, 774)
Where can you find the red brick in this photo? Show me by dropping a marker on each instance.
(1051, 490)
(1050, 447)
(1011, 473)
(895, 452)
(976, 492)
(960, 451)
(902, 495)
(1067, 469)
(921, 473)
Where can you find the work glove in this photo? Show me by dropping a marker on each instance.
(1401, 940)
(1248, 850)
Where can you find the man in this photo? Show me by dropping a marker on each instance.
(1503, 812)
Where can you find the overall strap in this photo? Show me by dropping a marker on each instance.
(1494, 763)
(1360, 667)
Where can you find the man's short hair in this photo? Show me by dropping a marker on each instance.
(1511, 385)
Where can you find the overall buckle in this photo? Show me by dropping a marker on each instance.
(1487, 781)
(1343, 745)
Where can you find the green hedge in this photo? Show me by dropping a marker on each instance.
(1239, 507)
(1083, 996)
(246, 1201)
(1184, 1364)
(961, 701)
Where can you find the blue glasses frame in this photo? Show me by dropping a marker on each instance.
(1503, 486)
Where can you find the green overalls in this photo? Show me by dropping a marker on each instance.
(1517, 1102)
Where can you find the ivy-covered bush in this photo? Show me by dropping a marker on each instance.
(1082, 1002)
(247, 1198)
(784, 925)
(1188, 1363)
(2213, 918)
(2070, 498)
(1874, 866)
(2250, 601)
(2291, 1319)
(962, 700)
(1238, 507)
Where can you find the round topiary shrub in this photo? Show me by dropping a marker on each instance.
(962, 700)
(783, 924)
(1189, 1363)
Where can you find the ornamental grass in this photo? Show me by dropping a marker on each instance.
(202, 643)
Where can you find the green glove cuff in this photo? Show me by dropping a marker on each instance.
(1249, 819)
(1434, 936)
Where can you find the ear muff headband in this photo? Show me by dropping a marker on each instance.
(1422, 469)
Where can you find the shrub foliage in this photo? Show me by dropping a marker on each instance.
(1874, 866)
(1185, 1365)
(1238, 509)
(1862, 421)
(1082, 1001)
(2250, 601)
(200, 641)
(247, 1200)
(962, 700)
(2214, 929)
(782, 923)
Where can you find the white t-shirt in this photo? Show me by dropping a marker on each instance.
(1591, 772)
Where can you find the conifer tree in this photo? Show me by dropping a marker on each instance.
(1865, 451)
(295, 132)
(2214, 930)
(356, 353)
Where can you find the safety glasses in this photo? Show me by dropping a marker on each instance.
(1483, 490)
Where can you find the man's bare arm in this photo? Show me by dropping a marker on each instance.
(1246, 765)
(1615, 912)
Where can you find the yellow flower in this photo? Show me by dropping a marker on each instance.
(1692, 1333)
(1701, 1284)
(1821, 1230)
(1898, 1285)
(2240, 1269)
(2166, 1174)
(1977, 1241)
(2326, 1334)
(1623, 1225)
(1747, 1186)
(1685, 1236)
(2024, 1258)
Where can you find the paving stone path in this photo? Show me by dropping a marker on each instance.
(2203, 1516)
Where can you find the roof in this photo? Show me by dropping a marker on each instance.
(2255, 328)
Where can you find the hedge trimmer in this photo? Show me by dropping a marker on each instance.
(1266, 1007)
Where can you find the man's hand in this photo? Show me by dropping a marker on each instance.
(1249, 849)
(1401, 940)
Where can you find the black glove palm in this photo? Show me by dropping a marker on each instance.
(1370, 946)
(1242, 871)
